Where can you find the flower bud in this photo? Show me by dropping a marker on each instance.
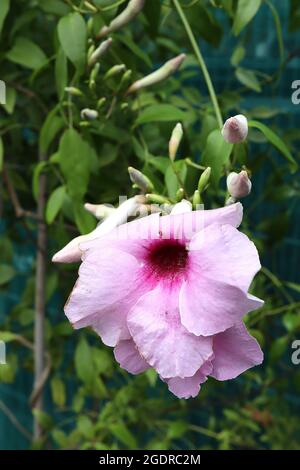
(101, 102)
(140, 180)
(100, 51)
(196, 199)
(182, 207)
(72, 253)
(100, 211)
(133, 8)
(157, 199)
(158, 75)
(179, 194)
(115, 70)
(238, 184)
(73, 91)
(175, 141)
(204, 180)
(90, 114)
(235, 129)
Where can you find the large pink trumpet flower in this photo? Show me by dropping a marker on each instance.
(170, 293)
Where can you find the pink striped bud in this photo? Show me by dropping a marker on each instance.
(235, 129)
(239, 184)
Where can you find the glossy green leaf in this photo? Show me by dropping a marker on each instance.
(26, 53)
(55, 203)
(276, 141)
(248, 78)
(4, 8)
(7, 273)
(216, 155)
(161, 112)
(72, 34)
(246, 10)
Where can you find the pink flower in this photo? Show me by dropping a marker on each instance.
(170, 293)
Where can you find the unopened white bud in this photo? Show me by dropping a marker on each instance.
(239, 184)
(90, 114)
(182, 207)
(235, 129)
(175, 140)
(158, 75)
(100, 211)
(100, 51)
(133, 8)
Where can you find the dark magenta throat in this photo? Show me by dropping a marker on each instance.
(167, 258)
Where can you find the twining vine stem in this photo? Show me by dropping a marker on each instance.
(201, 62)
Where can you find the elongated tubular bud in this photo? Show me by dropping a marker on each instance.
(204, 180)
(175, 141)
(196, 199)
(115, 70)
(157, 199)
(141, 180)
(133, 8)
(100, 51)
(100, 211)
(73, 91)
(71, 253)
(158, 75)
(180, 195)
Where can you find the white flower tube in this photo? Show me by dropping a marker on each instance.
(71, 253)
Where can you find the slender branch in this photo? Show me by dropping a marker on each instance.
(40, 301)
(201, 62)
(13, 419)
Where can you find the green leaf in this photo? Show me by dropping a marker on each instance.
(171, 179)
(55, 203)
(61, 72)
(50, 128)
(43, 418)
(7, 336)
(278, 348)
(248, 78)
(75, 157)
(84, 221)
(26, 53)
(122, 433)
(58, 391)
(135, 49)
(216, 154)
(7, 273)
(54, 7)
(161, 112)
(11, 97)
(4, 8)
(246, 10)
(238, 55)
(1, 153)
(84, 362)
(72, 35)
(38, 169)
(275, 141)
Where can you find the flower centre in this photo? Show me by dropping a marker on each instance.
(167, 258)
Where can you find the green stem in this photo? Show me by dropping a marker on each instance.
(201, 61)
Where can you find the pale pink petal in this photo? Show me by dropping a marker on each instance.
(185, 226)
(234, 352)
(129, 358)
(154, 323)
(209, 306)
(109, 284)
(223, 253)
(190, 386)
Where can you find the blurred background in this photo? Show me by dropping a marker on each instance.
(67, 391)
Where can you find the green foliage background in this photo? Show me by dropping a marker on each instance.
(90, 402)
